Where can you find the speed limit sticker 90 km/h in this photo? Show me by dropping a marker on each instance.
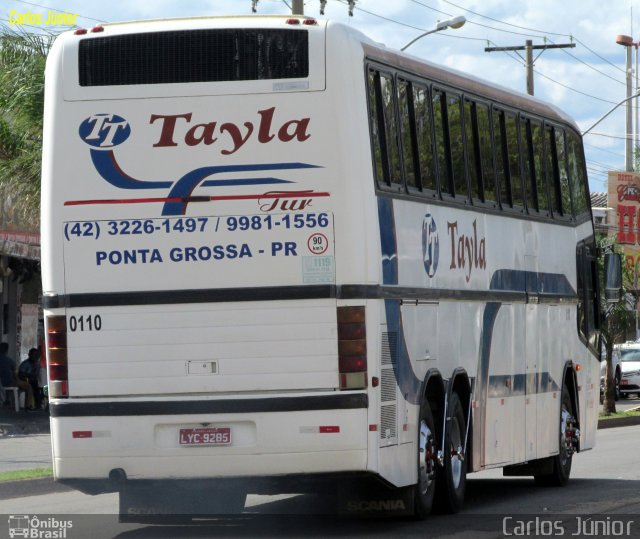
(318, 243)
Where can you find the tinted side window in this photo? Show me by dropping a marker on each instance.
(499, 137)
(565, 188)
(531, 194)
(579, 181)
(424, 136)
(387, 89)
(513, 147)
(375, 114)
(439, 120)
(454, 114)
(551, 162)
(473, 150)
(537, 144)
(409, 150)
(486, 152)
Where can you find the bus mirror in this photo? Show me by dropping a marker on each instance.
(612, 277)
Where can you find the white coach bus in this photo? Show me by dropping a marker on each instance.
(279, 257)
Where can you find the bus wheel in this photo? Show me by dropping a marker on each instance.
(451, 479)
(427, 449)
(568, 444)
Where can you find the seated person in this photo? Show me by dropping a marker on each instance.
(28, 375)
(8, 373)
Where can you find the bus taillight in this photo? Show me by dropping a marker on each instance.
(57, 356)
(352, 347)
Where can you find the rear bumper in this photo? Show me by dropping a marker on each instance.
(140, 440)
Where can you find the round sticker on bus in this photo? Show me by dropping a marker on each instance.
(318, 243)
(430, 245)
(104, 130)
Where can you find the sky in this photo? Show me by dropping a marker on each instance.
(586, 81)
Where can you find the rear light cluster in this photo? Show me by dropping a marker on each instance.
(83, 31)
(306, 22)
(57, 356)
(352, 347)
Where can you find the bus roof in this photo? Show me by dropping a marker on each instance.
(371, 49)
(464, 81)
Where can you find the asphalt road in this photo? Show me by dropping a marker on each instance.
(605, 487)
(628, 403)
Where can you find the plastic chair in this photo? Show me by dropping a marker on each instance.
(16, 395)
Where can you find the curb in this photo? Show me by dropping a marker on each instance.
(618, 422)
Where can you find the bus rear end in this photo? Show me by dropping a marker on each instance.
(190, 235)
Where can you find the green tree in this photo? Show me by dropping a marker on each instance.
(617, 318)
(22, 62)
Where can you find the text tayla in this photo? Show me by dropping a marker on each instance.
(467, 251)
(231, 136)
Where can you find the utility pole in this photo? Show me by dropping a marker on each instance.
(529, 47)
(297, 7)
(627, 42)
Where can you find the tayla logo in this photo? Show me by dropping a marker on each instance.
(104, 130)
(430, 245)
(104, 133)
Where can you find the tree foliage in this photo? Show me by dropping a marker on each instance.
(22, 62)
(617, 318)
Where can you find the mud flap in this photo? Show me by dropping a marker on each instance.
(373, 499)
(177, 501)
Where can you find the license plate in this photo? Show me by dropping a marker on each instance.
(206, 436)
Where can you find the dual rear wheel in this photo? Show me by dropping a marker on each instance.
(441, 487)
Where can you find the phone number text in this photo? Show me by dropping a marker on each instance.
(187, 225)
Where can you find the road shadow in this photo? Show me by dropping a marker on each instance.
(487, 503)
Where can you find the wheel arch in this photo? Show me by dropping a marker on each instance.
(569, 378)
(435, 393)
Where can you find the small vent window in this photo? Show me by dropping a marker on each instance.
(194, 56)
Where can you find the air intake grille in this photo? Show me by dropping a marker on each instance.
(194, 56)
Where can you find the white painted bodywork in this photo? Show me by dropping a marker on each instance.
(281, 348)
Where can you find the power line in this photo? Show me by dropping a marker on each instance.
(546, 32)
(529, 47)
(603, 150)
(606, 135)
(593, 68)
(530, 35)
(573, 89)
(596, 54)
(498, 20)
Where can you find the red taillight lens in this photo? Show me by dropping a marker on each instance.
(352, 347)
(57, 357)
(353, 364)
(58, 372)
(293, 21)
(57, 340)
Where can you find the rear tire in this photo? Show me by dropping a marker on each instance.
(425, 488)
(451, 480)
(559, 477)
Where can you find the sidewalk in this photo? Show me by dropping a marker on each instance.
(24, 440)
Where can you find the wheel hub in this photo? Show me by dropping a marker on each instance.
(426, 468)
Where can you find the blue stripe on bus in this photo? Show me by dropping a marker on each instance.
(507, 280)
(388, 242)
(502, 280)
(410, 385)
